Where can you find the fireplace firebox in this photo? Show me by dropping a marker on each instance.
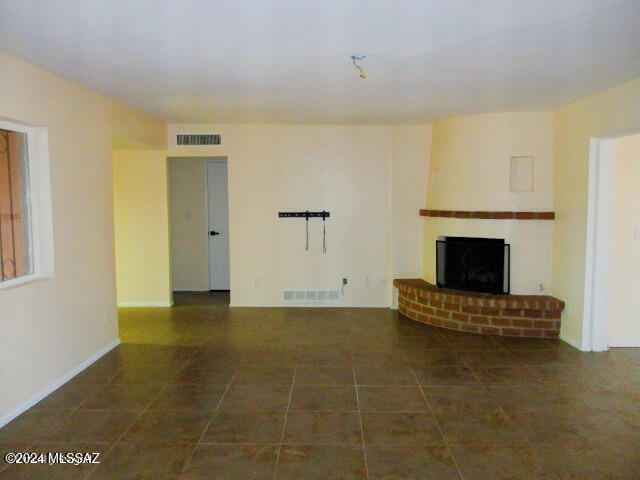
(473, 264)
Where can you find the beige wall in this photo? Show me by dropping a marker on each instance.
(141, 215)
(344, 169)
(470, 161)
(624, 301)
(411, 154)
(51, 326)
(188, 217)
(469, 170)
(607, 113)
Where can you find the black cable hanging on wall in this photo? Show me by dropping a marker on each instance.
(307, 215)
(324, 235)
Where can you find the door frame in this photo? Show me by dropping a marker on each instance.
(209, 161)
(600, 200)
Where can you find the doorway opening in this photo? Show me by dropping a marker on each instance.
(199, 224)
(612, 277)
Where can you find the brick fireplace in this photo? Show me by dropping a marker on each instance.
(468, 309)
(488, 232)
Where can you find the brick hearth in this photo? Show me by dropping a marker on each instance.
(536, 316)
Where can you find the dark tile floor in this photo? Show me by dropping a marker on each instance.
(202, 391)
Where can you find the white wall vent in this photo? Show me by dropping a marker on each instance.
(311, 297)
(198, 139)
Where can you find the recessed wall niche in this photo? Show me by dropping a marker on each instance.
(521, 174)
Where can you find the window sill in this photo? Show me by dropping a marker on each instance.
(17, 282)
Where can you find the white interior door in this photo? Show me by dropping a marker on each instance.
(218, 212)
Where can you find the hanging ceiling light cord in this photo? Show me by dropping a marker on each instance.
(355, 59)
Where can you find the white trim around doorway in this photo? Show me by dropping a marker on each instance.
(600, 202)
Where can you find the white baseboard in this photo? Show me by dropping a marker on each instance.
(311, 305)
(30, 402)
(187, 290)
(573, 342)
(624, 342)
(144, 304)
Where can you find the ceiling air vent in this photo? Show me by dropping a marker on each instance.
(198, 139)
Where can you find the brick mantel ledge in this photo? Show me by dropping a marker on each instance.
(490, 215)
(535, 316)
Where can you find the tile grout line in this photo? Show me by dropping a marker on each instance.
(528, 444)
(437, 424)
(284, 424)
(499, 407)
(155, 397)
(85, 401)
(31, 445)
(90, 472)
(98, 386)
(364, 448)
(28, 448)
(473, 373)
(403, 352)
(213, 414)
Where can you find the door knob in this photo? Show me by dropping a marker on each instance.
(212, 233)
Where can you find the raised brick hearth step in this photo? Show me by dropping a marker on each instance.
(536, 316)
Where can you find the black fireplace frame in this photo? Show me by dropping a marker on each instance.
(506, 283)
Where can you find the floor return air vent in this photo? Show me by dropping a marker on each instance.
(311, 296)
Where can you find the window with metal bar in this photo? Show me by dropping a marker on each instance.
(16, 256)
